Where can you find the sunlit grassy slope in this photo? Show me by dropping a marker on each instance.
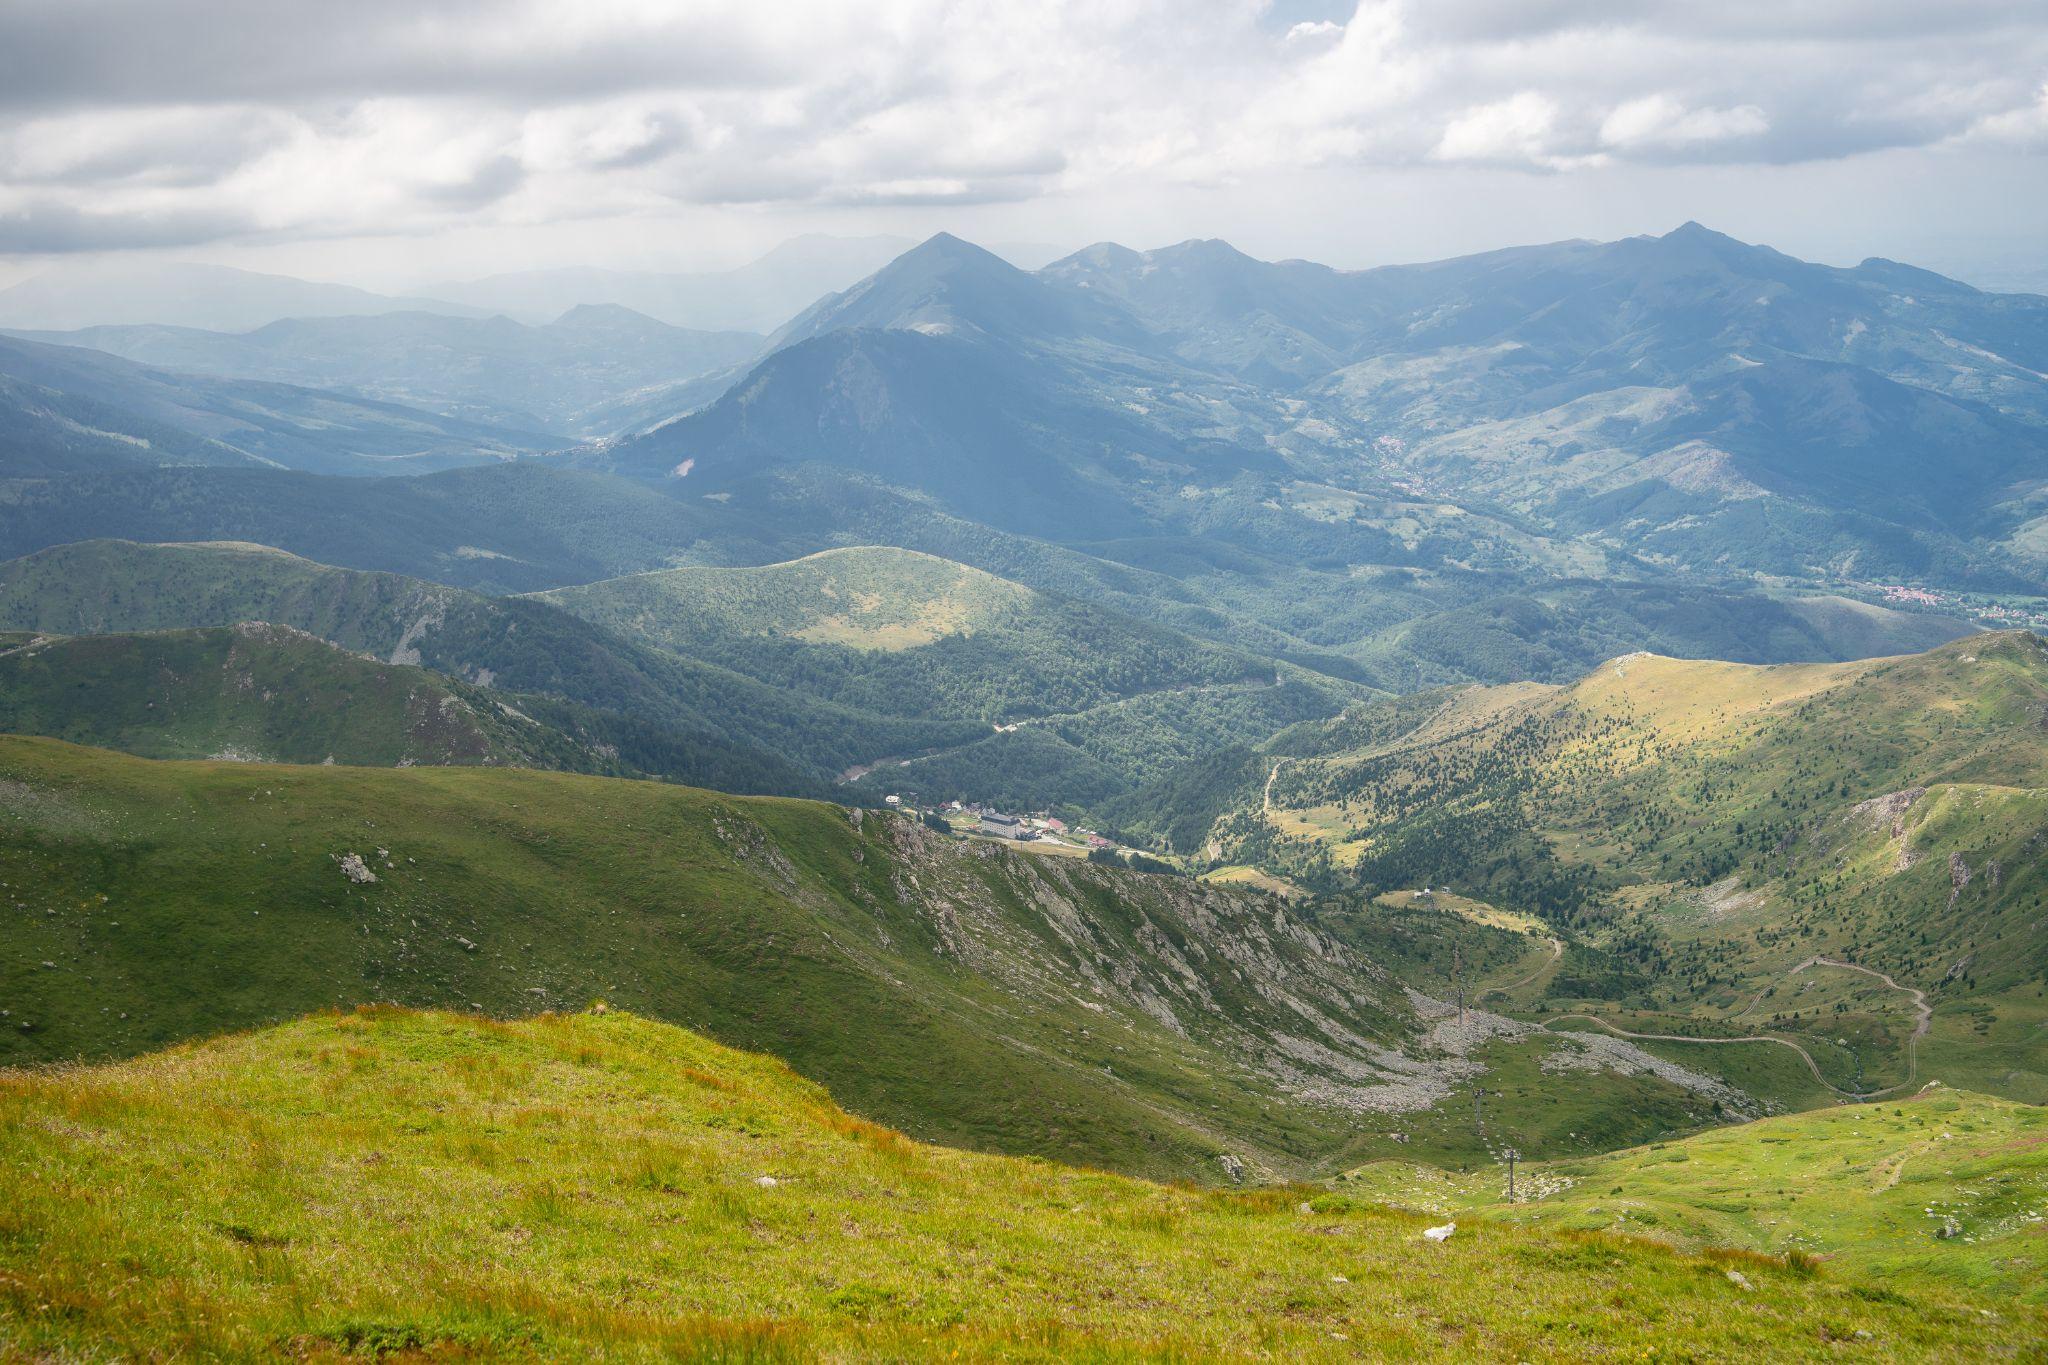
(864, 597)
(903, 633)
(1946, 1187)
(1728, 836)
(431, 1186)
(962, 991)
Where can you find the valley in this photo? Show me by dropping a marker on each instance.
(1077, 812)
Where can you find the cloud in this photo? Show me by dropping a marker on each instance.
(1660, 121)
(1519, 130)
(48, 228)
(312, 118)
(2025, 127)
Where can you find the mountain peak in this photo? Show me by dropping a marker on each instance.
(606, 315)
(943, 284)
(1693, 232)
(1205, 248)
(944, 247)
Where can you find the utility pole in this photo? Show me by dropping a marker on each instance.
(1512, 1155)
(1458, 979)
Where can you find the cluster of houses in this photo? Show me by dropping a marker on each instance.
(996, 824)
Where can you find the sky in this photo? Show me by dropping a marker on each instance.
(395, 142)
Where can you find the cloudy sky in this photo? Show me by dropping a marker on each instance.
(390, 142)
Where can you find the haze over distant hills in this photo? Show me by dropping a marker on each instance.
(1546, 702)
(757, 297)
(582, 374)
(188, 294)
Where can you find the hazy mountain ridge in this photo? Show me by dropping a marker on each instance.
(1685, 374)
(72, 410)
(188, 294)
(565, 377)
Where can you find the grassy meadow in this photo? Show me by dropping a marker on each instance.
(389, 1184)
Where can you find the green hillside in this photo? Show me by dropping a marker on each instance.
(869, 598)
(258, 693)
(1941, 1187)
(968, 993)
(515, 644)
(385, 1183)
(965, 991)
(1106, 702)
(1791, 851)
(899, 632)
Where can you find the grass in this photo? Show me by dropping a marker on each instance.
(258, 692)
(862, 597)
(1712, 829)
(392, 1184)
(961, 990)
(1947, 1187)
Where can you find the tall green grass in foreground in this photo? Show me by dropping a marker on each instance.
(1947, 1187)
(392, 1183)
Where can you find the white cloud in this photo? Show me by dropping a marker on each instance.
(401, 115)
(1663, 122)
(1517, 129)
(2025, 127)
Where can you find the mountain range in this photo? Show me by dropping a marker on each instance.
(1329, 736)
(575, 376)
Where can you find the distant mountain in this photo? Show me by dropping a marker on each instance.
(1682, 402)
(571, 376)
(952, 373)
(757, 297)
(502, 527)
(760, 737)
(185, 294)
(945, 285)
(69, 410)
(1277, 324)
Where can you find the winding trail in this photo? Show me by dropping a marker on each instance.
(1556, 953)
(1804, 1055)
(1266, 796)
(1923, 1013)
(1923, 1020)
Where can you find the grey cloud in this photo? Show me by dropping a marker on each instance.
(485, 184)
(1836, 21)
(68, 53)
(59, 228)
(185, 152)
(319, 117)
